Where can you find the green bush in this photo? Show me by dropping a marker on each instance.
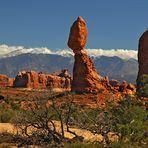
(128, 120)
(15, 106)
(6, 115)
(143, 86)
(7, 112)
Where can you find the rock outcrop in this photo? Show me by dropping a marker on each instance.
(114, 83)
(85, 77)
(143, 56)
(5, 81)
(127, 88)
(124, 87)
(32, 79)
(142, 78)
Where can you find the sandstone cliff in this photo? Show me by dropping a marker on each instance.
(32, 79)
(143, 55)
(5, 81)
(142, 78)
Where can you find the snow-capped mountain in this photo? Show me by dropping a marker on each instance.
(9, 51)
(29, 50)
(120, 64)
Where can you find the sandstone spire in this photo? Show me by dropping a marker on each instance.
(85, 77)
(143, 55)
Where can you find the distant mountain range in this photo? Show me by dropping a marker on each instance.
(113, 67)
(120, 64)
(9, 51)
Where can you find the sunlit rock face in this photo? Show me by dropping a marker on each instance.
(143, 54)
(85, 77)
(78, 35)
(5, 81)
(32, 79)
(142, 78)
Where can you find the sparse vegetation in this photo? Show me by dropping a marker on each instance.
(143, 84)
(128, 121)
(6, 115)
(8, 109)
(124, 124)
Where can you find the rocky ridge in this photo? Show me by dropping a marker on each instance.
(32, 79)
(56, 82)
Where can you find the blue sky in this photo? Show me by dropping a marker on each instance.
(46, 23)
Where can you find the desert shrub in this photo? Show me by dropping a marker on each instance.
(2, 97)
(128, 120)
(6, 115)
(39, 126)
(15, 106)
(131, 122)
(6, 138)
(143, 86)
(12, 105)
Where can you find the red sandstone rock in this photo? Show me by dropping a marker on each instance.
(85, 77)
(10, 82)
(131, 87)
(143, 55)
(6, 81)
(114, 83)
(123, 86)
(32, 79)
(27, 79)
(42, 80)
(78, 35)
(127, 88)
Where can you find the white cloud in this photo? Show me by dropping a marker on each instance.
(122, 53)
(6, 51)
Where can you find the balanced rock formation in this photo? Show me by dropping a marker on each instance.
(5, 81)
(85, 77)
(32, 79)
(78, 35)
(143, 55)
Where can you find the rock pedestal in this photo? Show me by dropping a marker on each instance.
(85, 77)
